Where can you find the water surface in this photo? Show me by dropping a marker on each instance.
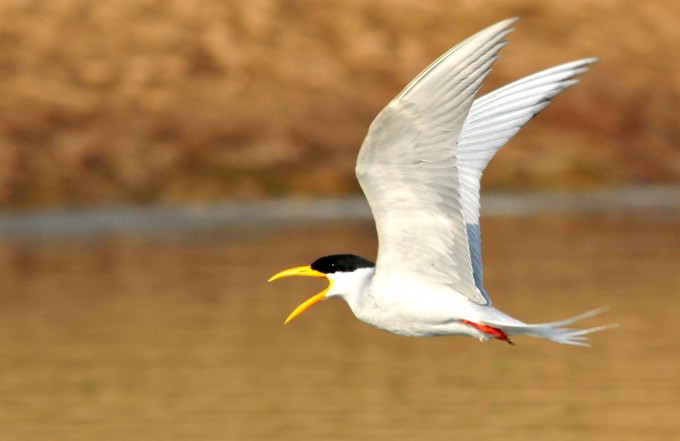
(178, 336)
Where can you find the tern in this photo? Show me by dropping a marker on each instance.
(420, 167)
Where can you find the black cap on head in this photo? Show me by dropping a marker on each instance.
(341, 263)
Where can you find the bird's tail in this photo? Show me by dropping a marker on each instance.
(556, 331)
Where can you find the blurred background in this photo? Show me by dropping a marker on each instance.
(175, 101)
(160, 160)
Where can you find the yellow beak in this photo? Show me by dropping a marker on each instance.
(304, 271)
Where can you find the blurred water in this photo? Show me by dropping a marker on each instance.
(178, 336)
(291, 212)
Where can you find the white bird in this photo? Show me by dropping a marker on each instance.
(420, 168)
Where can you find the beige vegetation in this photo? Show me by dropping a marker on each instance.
(191, 101)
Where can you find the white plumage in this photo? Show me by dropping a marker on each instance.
(420, 168)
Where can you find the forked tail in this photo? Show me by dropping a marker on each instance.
(557, 331)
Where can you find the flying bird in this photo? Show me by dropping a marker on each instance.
(420, 167)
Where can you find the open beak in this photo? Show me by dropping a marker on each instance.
(304, 271)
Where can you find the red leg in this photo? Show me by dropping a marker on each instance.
(489, 330)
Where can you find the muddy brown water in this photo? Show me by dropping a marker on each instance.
(176, 337)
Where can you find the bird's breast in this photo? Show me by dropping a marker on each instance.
(409, 308)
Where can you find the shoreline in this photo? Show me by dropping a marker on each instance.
(272, 213)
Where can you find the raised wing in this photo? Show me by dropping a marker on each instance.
(408, 169)
(492, 121)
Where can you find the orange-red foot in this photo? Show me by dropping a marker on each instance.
(489, 330)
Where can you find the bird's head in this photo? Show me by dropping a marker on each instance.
(341, 270)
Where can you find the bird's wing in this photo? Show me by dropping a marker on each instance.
(408, 168)
(492, 121)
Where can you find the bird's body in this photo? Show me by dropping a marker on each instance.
(404, 306)
(420, 167)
